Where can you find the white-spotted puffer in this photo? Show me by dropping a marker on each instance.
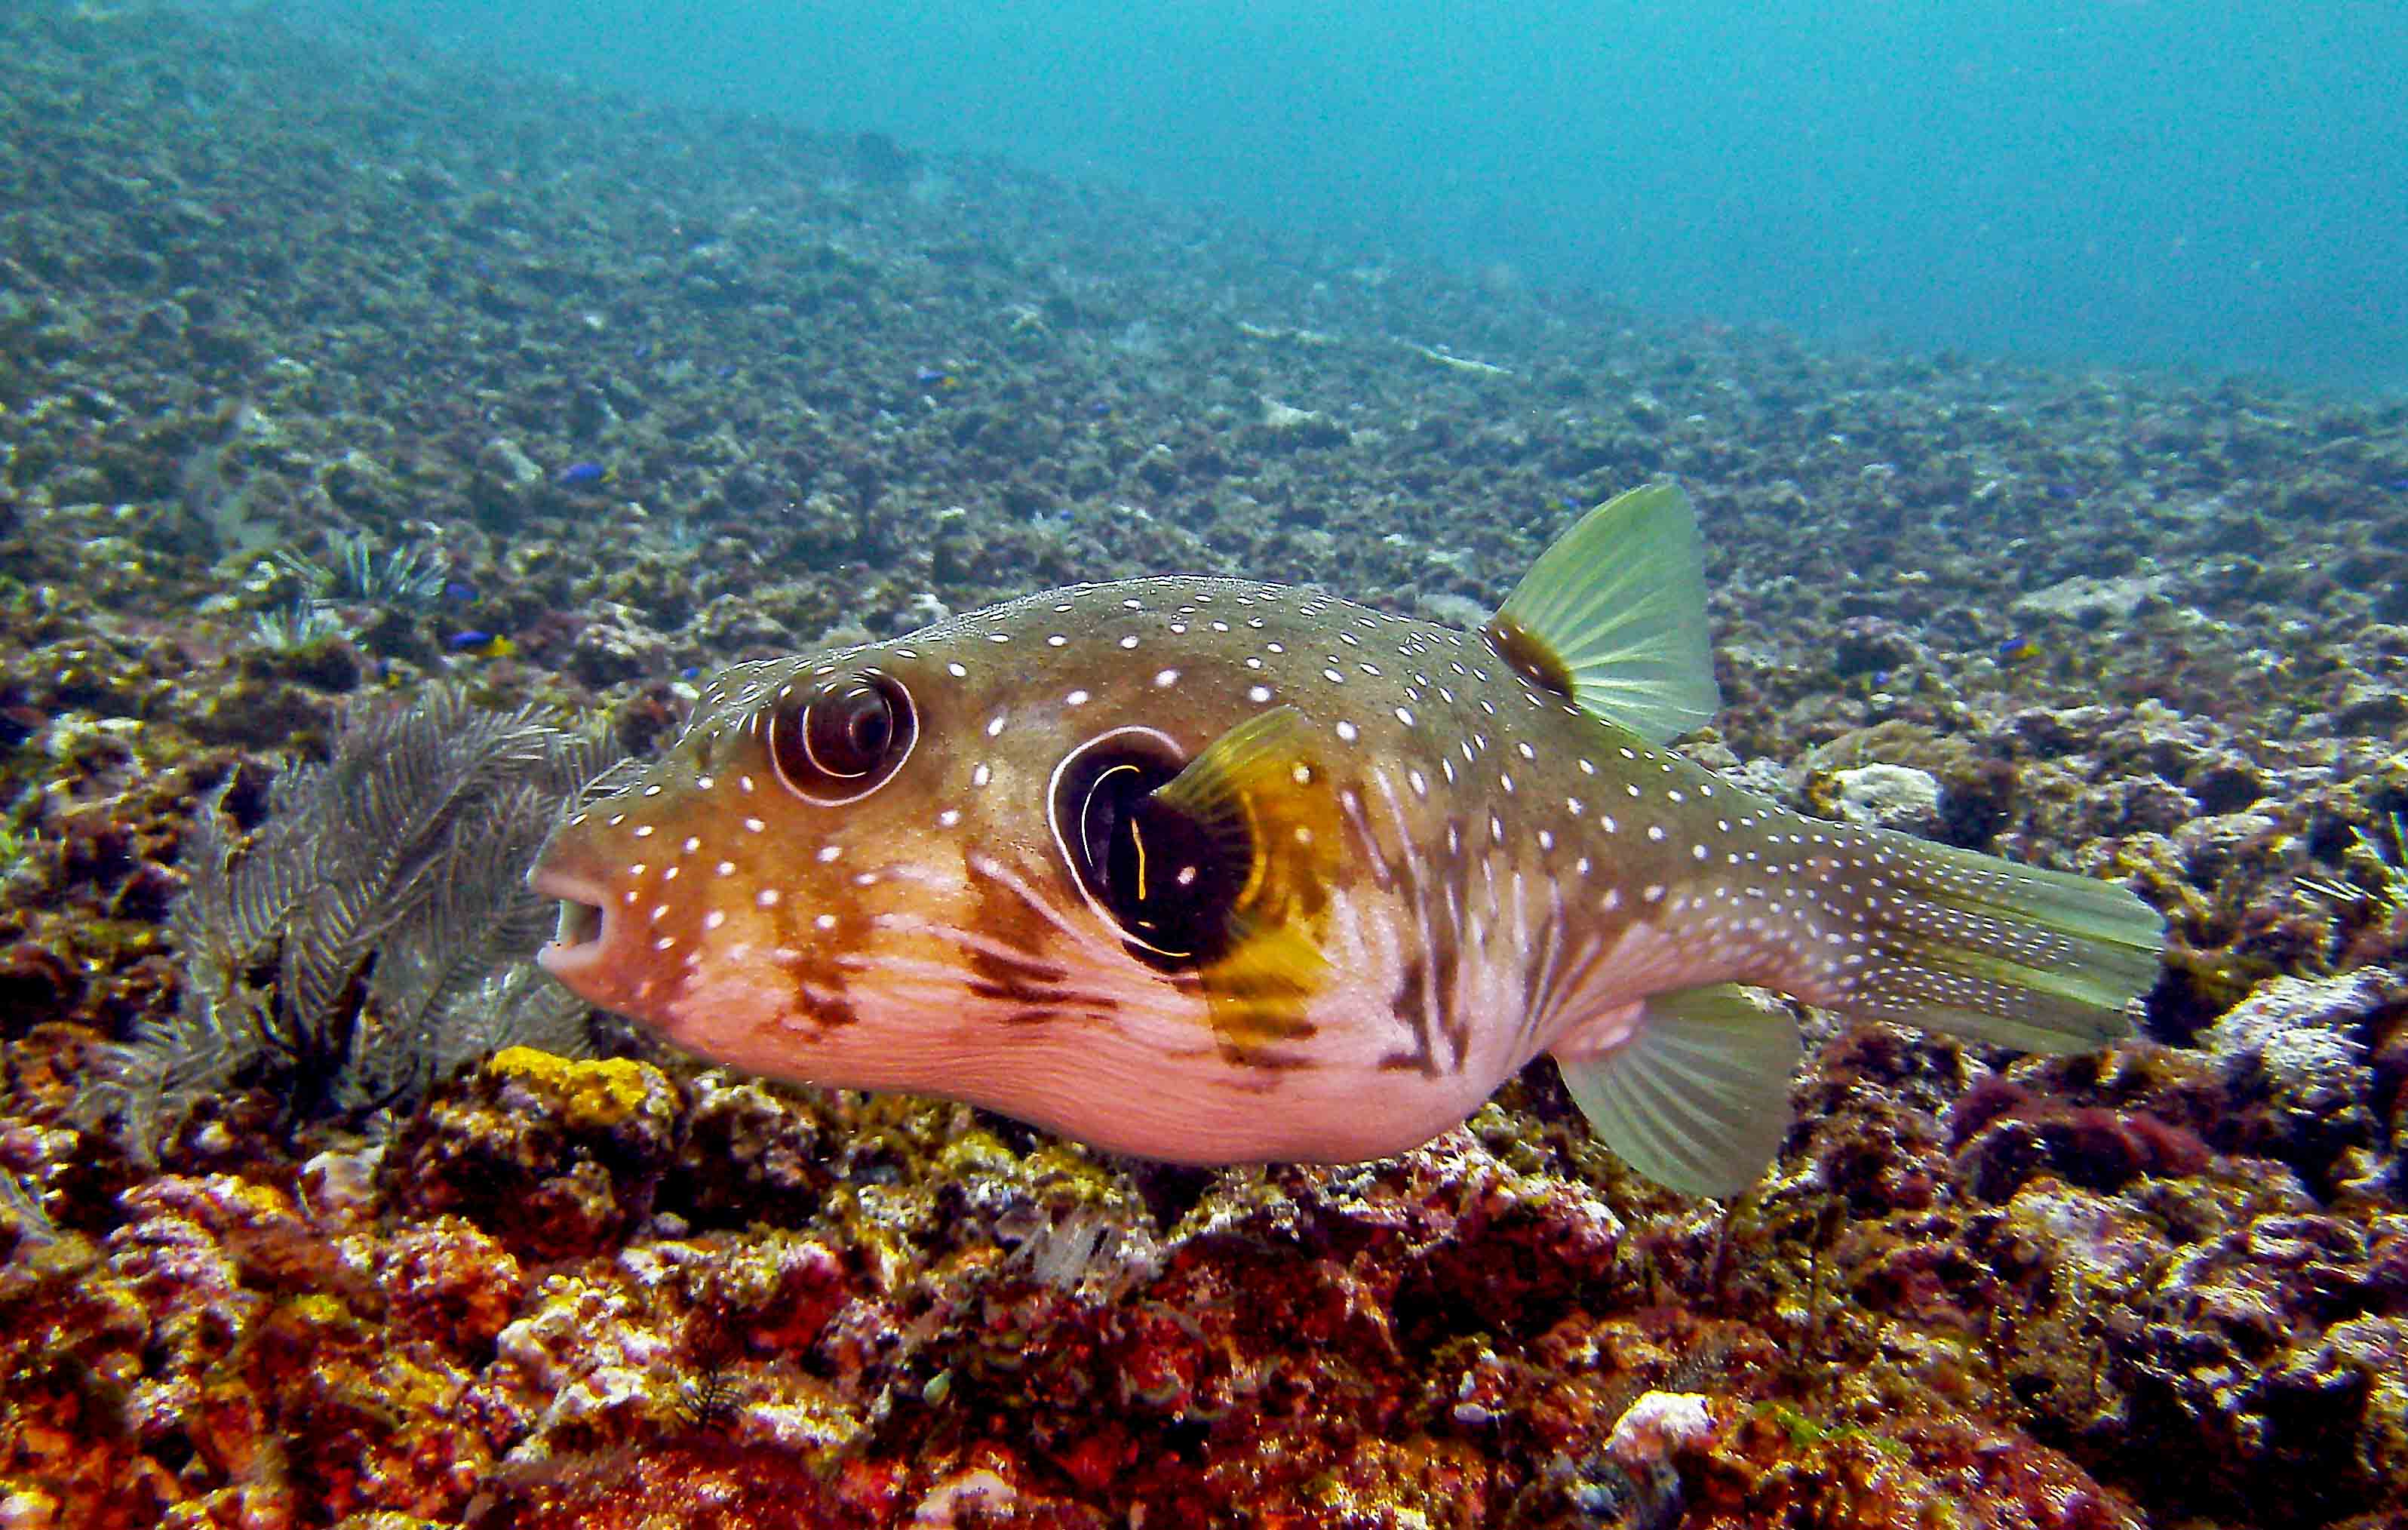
(1218, 871)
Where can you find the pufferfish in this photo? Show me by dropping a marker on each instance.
(1215, 871)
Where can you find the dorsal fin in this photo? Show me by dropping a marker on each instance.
(1612, 617)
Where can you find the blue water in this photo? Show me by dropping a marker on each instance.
(2216, 185)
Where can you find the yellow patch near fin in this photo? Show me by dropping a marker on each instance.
(1260, 797)
(1612, 617)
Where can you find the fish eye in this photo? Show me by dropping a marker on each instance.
(843, 738)
(1167, 886)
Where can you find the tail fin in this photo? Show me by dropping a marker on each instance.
(1982, 948)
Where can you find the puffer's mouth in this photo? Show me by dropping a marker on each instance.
(580, 923)
(582, 929)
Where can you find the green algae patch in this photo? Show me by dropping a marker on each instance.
(586, 1095)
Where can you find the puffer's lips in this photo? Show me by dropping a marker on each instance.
(581, 941)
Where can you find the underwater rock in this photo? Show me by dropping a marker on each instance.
(2370, 707)
(503, 458)
(35, 984)
(2212, 844)
(1659, 1423)
(747, 1152)
(1285, 426)
(2279, 1343)
(1869, 645)
(2092, 1146)
(1888, 797)
(2148, 805)
(736, 627)
(554, 1159)
(1893, 1471)
(2306, 1032)
(2089, 599)
(452, 1284)
(2224, 781)
(614, 646)
(1158, 466)
(2053, 731)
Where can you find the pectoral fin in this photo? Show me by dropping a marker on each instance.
(1695, 1094)
(1238, 852)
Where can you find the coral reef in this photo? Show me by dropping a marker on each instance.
(431, 397)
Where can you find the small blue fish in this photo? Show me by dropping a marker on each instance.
(2021, 648)
(481, 645)
(586, 475)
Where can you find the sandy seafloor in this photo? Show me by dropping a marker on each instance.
(258, 290)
